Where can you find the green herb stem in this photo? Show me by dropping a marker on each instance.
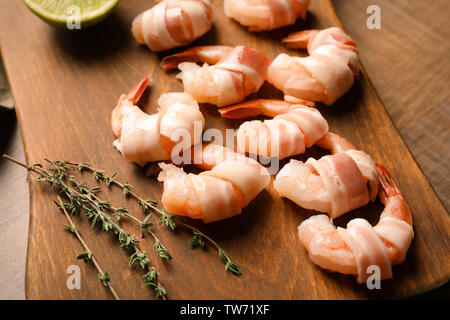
(161, 250)
(101, 175)
(74, 230)
(168, 219)
(94, 211)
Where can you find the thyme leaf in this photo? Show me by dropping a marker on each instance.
(86, 255)
(105, 279)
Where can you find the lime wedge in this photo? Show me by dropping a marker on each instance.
(72, 14)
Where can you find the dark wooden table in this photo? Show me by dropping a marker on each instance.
(407, 62)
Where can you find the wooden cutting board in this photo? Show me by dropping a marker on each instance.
(65, 85)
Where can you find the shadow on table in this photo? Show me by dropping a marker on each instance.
(442, 292)
(8, 124)
(97, 42)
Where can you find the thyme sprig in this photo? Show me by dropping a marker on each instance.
(95, 210)
(198, 238)
(120, 212)
(80, 198)
(87, 255)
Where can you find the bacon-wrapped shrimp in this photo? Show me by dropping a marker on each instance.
(335, 184)
(261, 15)
(172, 23)
(359, 246)
(294, 127)
(325, 75)
(236, 72)
(231, 182)
(145, 138)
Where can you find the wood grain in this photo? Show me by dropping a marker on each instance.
(407, 62)
(65, 86)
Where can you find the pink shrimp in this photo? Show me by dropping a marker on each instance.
(173, 23)
(335, 184)
(231, 183)
(236, 73)
(145, 138)
(395, 225)
(293, 128)
(354, 249)
(337, 144)
(325, 75)
(261, 15)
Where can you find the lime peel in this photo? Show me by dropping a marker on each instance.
(56, 13)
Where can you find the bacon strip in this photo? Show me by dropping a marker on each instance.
(325, 75)
(217, 197)
(367, 248)
(266, 14)
(250, 62)
(173, 23)
(232, 182)
(239, 73)
(343, 181)
(148, 138)
(309, 120)
(248, 177)
(140, 138)
(396, 233)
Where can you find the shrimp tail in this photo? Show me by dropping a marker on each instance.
(172, 61)
(253, 108)
(135, 94)
(131, 98)
(300, 40)
(392, 198)
(388, 188)
(208, 54)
